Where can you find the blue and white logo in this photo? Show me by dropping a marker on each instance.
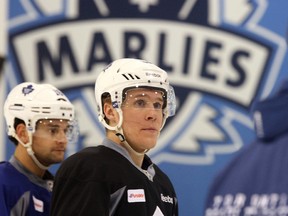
(27, 90)
(218, 54)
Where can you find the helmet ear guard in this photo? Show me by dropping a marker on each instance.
(171, 102)
(129, 73)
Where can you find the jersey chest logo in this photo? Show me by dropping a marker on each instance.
(136, 195)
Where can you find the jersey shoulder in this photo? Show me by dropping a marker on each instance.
(8, 173)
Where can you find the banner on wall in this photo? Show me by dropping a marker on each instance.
(220, 56)
(3, 49)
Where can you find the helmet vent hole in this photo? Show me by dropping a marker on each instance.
(125, 77)
(41, 110)
(35, 109)
(130, 76)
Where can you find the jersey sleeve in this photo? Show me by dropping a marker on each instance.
(3, 206)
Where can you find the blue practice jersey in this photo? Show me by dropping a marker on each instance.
(255, 183)
(21, 192)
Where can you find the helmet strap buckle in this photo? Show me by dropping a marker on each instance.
(121, 137)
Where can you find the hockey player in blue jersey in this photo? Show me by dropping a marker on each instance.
(255, 182)
(40, 121)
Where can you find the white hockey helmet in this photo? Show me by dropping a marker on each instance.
(124, 74)
(31, 102)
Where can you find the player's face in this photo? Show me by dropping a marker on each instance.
(50, 140)
(142, 117)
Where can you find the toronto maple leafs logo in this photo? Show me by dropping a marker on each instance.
(27, 90)
(58, 92)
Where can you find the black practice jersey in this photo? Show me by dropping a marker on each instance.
(103, 180)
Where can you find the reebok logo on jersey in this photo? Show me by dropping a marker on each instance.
(166, 199)
(136, 195)
(38, 204)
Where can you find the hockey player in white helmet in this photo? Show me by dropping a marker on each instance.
(133, 98)
(40, 122)
(118, 85)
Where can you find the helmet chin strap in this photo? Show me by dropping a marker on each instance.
(119, 132)
(120, 135)
(30, 151)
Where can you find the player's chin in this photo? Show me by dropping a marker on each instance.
(58, 160)
(150, 143)
(58, 156)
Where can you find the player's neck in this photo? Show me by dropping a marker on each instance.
(22, 156)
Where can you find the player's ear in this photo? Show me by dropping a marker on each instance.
(22, 133)
(111, 114)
